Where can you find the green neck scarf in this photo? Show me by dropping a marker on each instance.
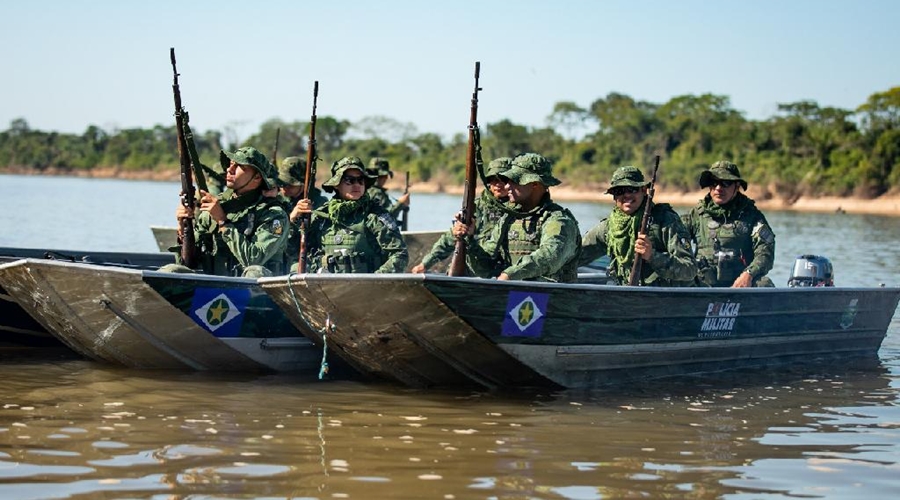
(622, 232)
(341, 210)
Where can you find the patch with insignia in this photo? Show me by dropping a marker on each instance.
(764, 232)
(388, 221)
(277, 228)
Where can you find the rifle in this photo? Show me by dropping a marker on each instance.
(275, 149)
(195, 157)
(635, 278)
(188, 243)
(458, 262)
(404, 213)
(310, 172)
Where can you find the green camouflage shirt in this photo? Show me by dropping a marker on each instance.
(380, 197)
(730, 239)
(672, 263)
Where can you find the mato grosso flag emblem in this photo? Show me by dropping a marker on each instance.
(220, 310)
(525, 313)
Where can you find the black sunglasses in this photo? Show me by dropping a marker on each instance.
(350, 180)
(619, 191)
(720, 182)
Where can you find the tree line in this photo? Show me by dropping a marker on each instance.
(804, 149)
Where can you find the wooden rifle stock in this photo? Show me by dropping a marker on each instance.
(404, 212)
(635, 278)
(310, 172)
(458, 262)
(188, 243)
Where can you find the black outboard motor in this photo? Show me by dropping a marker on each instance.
(811, 270)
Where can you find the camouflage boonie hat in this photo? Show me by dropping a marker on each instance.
(531, 167)
(292, 171)
(251, 157)
(497, 166)
(722, 170)
(627, 176)
(379, 166)
(339, 167)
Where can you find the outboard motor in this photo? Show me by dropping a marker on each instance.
(811, 270)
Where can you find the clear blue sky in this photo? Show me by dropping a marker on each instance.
(68, 64)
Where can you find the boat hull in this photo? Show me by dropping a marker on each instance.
(577, 335)
(154, 320)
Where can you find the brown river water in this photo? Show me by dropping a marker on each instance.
(71, 428)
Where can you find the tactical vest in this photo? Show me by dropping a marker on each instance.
(524, 237)
(347, 249)
(726, 251)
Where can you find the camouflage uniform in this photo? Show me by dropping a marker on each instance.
(377, 168)
(731, 238)
(292, 172)
(489, 211)
(672, 263)
(541, 244)
(251, 242)
(353, 236)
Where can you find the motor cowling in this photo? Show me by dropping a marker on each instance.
(810, 271)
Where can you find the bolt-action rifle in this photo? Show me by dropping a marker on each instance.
(310, 173)
(458, 262)
(404, 212)
(188, 244)
(635, 278)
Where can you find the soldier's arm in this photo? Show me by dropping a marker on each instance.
(676, 262)
(442, 249)
(268, 239)
(593, 245)
(559, 244)
(390, 241)
(763, 239)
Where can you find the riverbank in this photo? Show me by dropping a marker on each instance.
(888, 204)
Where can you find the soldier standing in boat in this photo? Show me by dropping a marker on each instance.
(352, 233)
(665, 248)
(291, 180)
(240, 232)
(380, 170)
(490, 209)
(540, 240)
(735, 246)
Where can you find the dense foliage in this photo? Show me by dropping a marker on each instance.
(804, 149)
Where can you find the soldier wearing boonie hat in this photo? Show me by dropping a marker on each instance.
(539, 240)
(351, 233)
(380, 169)
(291, 181)
(664, 248)
(239, 232)
(735, 244)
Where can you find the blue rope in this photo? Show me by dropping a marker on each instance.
(323, 366)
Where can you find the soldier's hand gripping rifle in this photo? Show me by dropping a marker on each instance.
(458, 262)
(188, 243)
(310, 173)
(635, 278)
(404, 212)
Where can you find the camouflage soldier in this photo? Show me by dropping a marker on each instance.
(540, 240)
(350, 233)
(291, 180)
(240, 232)
(665, 247)
(489, 210)
(380, 170)
(735, 245)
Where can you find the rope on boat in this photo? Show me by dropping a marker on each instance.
(329, 326)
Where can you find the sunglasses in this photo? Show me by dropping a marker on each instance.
(722, 183)
(350, 180)
(619, 191)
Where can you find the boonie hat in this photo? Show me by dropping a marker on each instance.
(292, 171)
(344, 164)
(723, 170)
(531, 167)
(629, 176)
(379, 166)
(252, 157)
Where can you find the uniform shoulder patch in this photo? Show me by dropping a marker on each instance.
(277, 227)
(764, 232)
(388, 221)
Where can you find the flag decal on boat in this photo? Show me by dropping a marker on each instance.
(220, 310)
(525, 312)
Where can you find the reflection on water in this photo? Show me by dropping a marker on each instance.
(72, 428)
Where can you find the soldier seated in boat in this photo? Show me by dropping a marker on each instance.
(665, 248)
(735, 246)
(380, 170)
(352, 233)
(489, 210)
(240, 232)
(291, 182)
(539, 240)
